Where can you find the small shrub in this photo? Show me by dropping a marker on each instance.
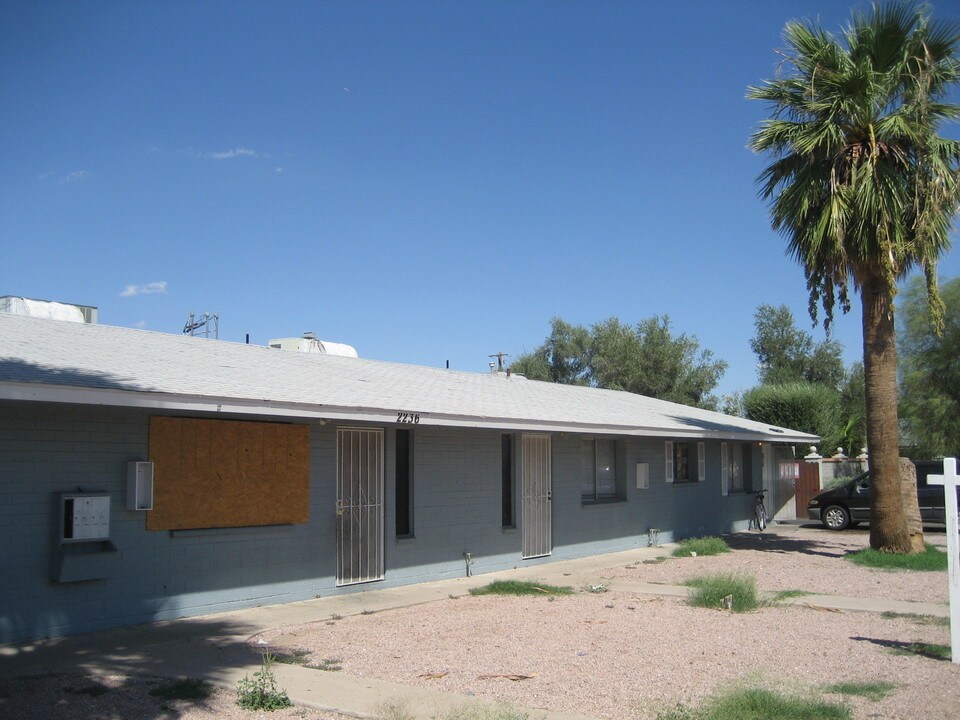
(754, 704)
(295, 656)
(186, 689)
(330, 665)
(725, 590)
(837, 481)
(261, 692)
(875, 691)
(520, 587)
(710, 545)
(930, 560)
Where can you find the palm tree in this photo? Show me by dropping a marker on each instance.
(864, 190)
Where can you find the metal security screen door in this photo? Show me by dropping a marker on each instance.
(359, 505)
(537, 494)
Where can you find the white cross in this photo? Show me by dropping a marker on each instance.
(950, 481)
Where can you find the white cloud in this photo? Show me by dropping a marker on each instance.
(53, 176)
(141, 324)
(75, 176)
(230, 154)
(153, 288)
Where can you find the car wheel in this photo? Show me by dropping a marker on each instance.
(836, 517)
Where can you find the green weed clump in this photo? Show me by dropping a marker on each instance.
(709, 545)
(871, 690)
(918, 619)
(929, 650)
(261, 692)
(754, 704)
(726, 591)
(930, 560)
(520, 587)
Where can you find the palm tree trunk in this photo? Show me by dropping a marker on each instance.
(888, 524)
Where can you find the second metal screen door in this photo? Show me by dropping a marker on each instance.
(537, 522)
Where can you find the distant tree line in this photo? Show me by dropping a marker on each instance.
(646, 358)
(804, 384)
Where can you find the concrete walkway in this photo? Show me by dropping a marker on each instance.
(214, 647)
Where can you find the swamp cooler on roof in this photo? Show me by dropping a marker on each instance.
(310, 343)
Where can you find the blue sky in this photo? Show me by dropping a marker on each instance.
(428, 182)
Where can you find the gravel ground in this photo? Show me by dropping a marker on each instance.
(620, 655)
(612, 655)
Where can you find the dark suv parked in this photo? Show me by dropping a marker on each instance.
(849, 504)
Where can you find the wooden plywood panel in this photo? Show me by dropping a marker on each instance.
(223, 473)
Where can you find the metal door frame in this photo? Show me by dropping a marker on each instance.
(536, 480)
(360, 488)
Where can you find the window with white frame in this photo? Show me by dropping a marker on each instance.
(600, 483)
(685, 461)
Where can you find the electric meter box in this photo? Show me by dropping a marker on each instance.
(139, 485)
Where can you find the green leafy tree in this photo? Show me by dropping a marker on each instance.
(788, 354)
(930, 373)
(853, 410)
(563, 357)
(804, 406)
(864, 188)
(647, 359)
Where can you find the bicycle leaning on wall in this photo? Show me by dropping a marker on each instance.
(760, 511)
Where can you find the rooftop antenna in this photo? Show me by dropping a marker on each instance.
(204, 326)
(499, 356)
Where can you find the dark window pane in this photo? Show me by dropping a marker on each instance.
(506, 474)
(404, 524)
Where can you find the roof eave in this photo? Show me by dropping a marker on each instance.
(38, 392)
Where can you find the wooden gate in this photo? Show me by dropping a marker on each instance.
(808, 485)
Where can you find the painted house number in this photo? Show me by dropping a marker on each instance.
(408, 418)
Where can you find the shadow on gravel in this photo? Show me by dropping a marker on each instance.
(196, 647)
(771, 542)
(72, 696)
(906, 648)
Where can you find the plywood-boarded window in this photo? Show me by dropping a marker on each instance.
(223, 473)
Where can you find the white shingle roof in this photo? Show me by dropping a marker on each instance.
(49, 360)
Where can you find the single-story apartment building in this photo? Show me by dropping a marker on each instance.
(148, 476)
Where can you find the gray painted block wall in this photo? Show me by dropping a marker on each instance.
(47, 449)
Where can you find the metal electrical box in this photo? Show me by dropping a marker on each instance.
(84, 517)
(139, 485)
